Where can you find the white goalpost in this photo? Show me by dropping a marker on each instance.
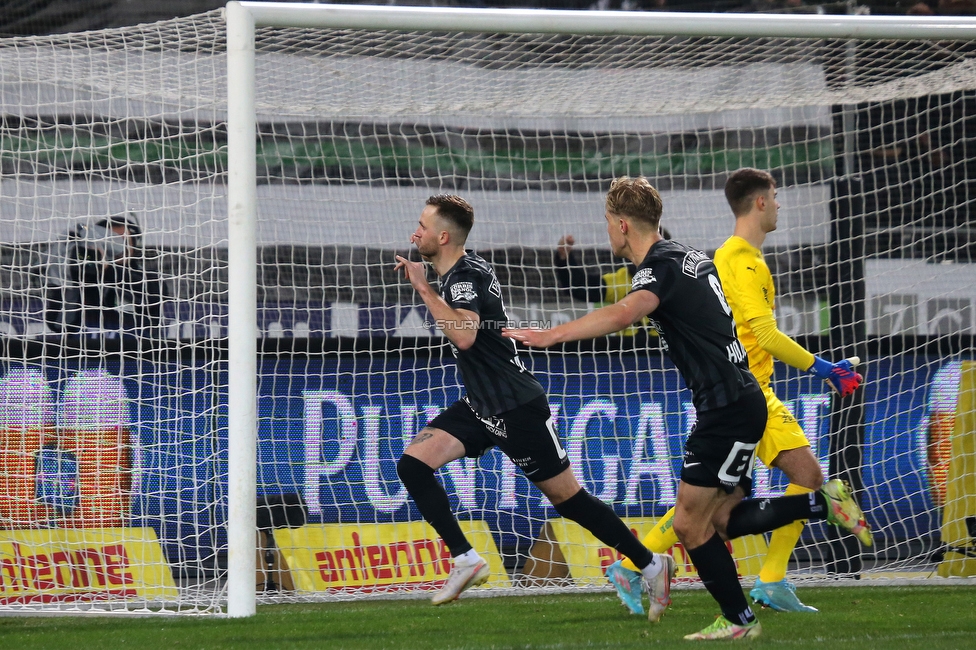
(236, 184)
(243, 18)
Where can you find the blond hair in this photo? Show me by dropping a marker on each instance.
(635, 198)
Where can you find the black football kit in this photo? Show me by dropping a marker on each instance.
(698, 332)
(505, 406)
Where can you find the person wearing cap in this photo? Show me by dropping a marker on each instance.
(98, 285)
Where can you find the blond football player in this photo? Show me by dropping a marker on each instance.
(750, 292)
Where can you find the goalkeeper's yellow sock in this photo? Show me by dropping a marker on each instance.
(782, 542)
(659, 540)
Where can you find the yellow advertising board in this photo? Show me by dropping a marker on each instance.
(588, 558)
(960, 500)
(379, 557)
(64, 565)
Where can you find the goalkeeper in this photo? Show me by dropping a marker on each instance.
(749, 290)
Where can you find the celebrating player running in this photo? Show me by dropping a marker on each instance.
(679, 288)
(504, 406)
(750, 293)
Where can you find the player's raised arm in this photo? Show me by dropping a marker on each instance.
(598, 322)
(460, 326)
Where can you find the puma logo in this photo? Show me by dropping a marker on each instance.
(751, 268)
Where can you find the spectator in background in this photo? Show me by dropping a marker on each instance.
(589, 285)
(957, 7)
(920, 9)
(940, 8)
(98, 286)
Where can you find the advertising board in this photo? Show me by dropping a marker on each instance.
(331, 428)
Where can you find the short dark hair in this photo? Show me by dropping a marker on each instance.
(635, 198)
(743, 186)
(455, 210)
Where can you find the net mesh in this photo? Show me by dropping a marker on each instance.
(113, 292)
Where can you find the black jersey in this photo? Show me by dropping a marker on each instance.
(495, 379)
(695, 323)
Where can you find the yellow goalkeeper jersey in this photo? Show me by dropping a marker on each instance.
(618, 286)
(749, 290)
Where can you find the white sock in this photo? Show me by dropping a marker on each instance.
(469, 558)
(654, 568)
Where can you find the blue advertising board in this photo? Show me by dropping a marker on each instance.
(332, 427)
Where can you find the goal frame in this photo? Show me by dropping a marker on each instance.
(243, 18)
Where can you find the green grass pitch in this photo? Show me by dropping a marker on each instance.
(889, 618)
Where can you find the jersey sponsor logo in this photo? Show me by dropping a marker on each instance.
(495, 288)
(690, 460)
(495, 426)
(642, 278)
(692, 261)
(463, 292)
(660, 333)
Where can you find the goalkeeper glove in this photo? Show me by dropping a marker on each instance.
(839, 376)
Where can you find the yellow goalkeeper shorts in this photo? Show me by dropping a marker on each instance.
(782, 432)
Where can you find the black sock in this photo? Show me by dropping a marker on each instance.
(432, 502)
(716, 568)
(600, 519)
(754, 516)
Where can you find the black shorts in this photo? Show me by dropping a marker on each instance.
(722, 447)
(526, 434)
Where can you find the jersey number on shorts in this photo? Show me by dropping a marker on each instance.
(738, 463)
